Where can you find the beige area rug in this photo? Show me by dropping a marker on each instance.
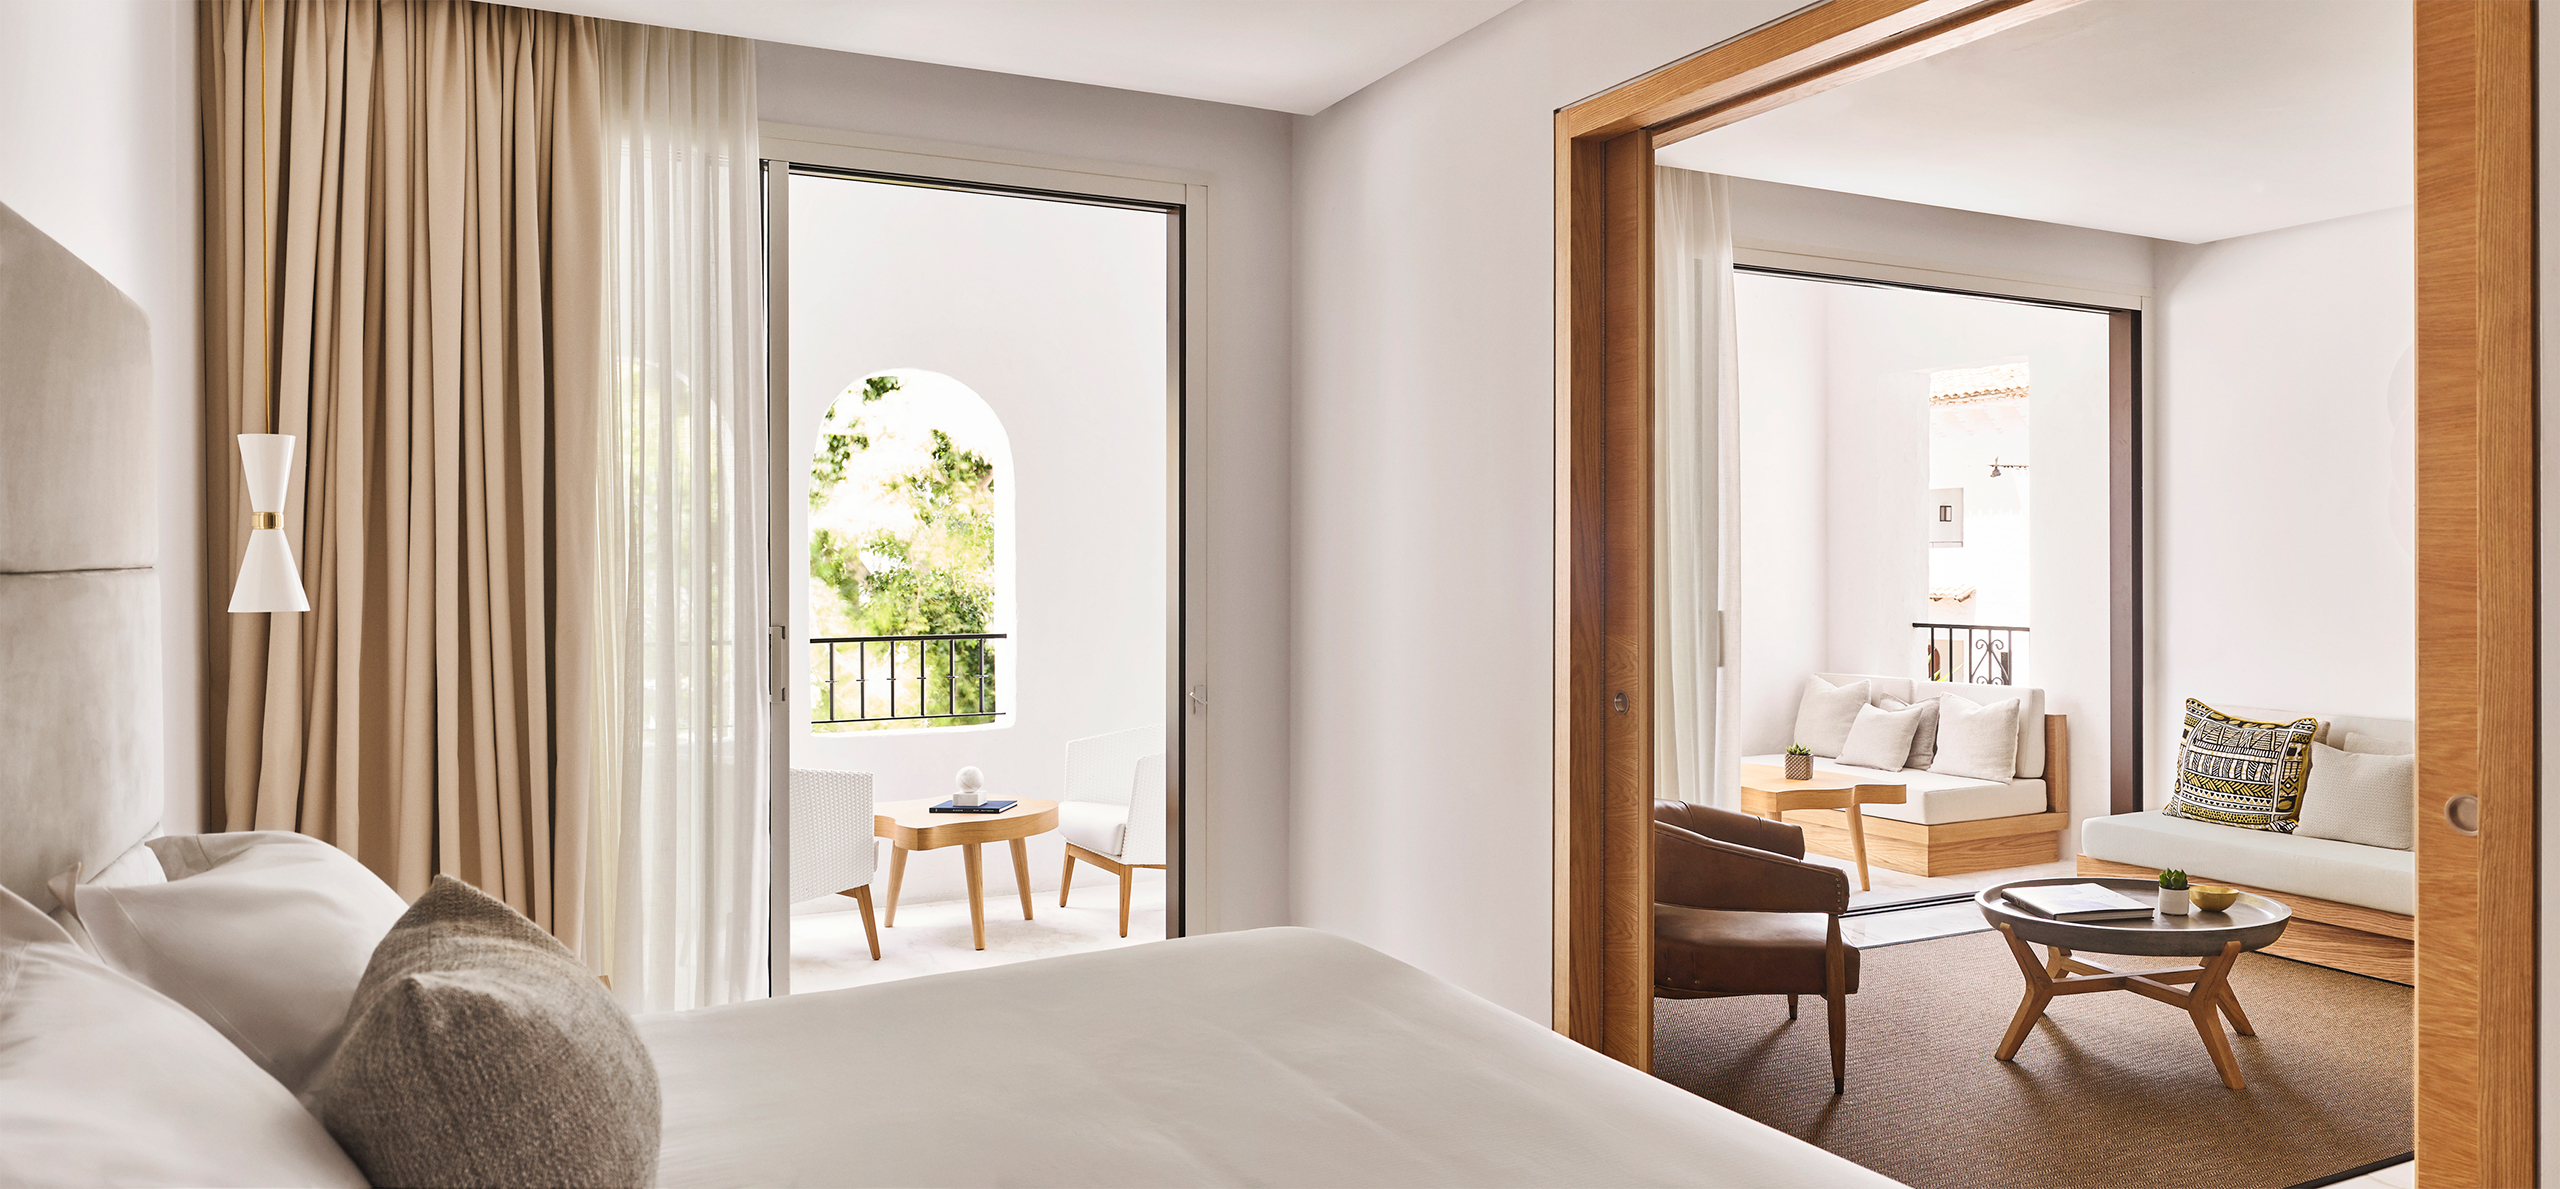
(2110, 1090)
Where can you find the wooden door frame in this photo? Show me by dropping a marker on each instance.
(2476, 573)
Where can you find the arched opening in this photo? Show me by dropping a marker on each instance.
(909, 556)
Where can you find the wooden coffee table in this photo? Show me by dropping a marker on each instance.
(2252, 922)
(1766, 792)
(911, 825)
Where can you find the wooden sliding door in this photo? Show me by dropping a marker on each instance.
(2476, 679)
(2477, 753)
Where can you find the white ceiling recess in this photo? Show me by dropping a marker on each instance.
(2186, 120)
(1284, 55)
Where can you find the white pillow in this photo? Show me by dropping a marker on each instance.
(1977, 741)
(264, 934)
(2365, 797)
(2371, 746)
(1924, 739)
(137, 865)
(1828, 711)
(104, 1082)
(1881, 738)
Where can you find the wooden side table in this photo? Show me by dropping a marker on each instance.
(911, 825)
(1766, 792)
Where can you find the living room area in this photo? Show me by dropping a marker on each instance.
(2045, 513)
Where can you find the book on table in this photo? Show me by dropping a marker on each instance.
(980, 807)
(2077, 902)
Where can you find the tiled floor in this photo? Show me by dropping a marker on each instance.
(828, 950)
(1891, 885)
(2399, 1176)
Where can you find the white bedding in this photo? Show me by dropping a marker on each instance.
(1272, 1057)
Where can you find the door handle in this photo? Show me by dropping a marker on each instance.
(2463, 814)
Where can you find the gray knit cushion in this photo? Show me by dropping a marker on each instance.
(480, 1052)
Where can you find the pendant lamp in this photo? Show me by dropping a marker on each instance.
(269, 581)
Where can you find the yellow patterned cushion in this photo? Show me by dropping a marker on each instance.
(2241, 772)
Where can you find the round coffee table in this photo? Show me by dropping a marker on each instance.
(912, 825)
(2253, 922)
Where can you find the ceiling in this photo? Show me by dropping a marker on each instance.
(1286, 55)
(2187, 120)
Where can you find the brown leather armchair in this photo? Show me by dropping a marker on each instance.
(1737, 911)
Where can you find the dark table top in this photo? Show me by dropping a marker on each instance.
(2254, 920)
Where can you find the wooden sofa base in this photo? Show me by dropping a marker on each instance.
(2351, 937)
(1956, 848)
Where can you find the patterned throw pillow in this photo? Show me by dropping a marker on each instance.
(2240, 772)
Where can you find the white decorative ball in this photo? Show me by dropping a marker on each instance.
(970, 780)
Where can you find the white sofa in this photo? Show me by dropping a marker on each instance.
(2368, 890)
(1951, 825)
(1936, 799)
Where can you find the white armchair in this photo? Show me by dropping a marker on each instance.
(1112, 810)
(832, 851)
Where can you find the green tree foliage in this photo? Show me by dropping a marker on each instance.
(934, 578)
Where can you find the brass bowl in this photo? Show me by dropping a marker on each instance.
(2213, 899)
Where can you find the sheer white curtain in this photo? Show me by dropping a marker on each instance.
(1696, 534)
(681, 803)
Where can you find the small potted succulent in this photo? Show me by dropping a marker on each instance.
(1799, 762)
(2173, 893)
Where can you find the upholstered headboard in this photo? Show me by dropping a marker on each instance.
(80, 776)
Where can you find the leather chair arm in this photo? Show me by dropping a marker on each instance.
(1740, 829)
(1700, 872)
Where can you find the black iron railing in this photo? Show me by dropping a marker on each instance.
(1972, 653)
(946, 680)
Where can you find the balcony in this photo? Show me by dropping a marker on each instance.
(887, 682)
(1971, 653)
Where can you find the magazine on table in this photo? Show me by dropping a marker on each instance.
(2078, 902)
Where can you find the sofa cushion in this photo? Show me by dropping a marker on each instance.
(1924, 737)
(1979, 741)
(1097, 827)
(1770, 953)
(1880, 738)
(2030, 715)
(1878, 687)
(2369, 876)
(1825, 715)
(1933, 798)
(2366, 798)
(2241, 772)
(2369, 745)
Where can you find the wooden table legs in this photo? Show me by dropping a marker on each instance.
(2207, 997)
(975, 866)
(897, 875)
(1022, 875)
(977, 901)
(1858, 842)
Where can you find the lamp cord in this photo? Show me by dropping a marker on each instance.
(266, 285)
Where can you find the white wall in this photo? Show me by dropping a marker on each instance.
(98, 149)
(2282, 492)
(1424, 460)
(1782, 334)
(1054, 315)
(1245, 591)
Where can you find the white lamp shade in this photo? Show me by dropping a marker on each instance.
(269, 581)
(267, 461)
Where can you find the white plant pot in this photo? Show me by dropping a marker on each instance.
(2173, 901)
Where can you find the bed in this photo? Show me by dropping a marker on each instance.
(1269, 1057)
(1277, 1056)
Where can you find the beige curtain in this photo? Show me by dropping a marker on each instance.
(433, 177)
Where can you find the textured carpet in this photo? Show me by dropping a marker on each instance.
(2111, 1089)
